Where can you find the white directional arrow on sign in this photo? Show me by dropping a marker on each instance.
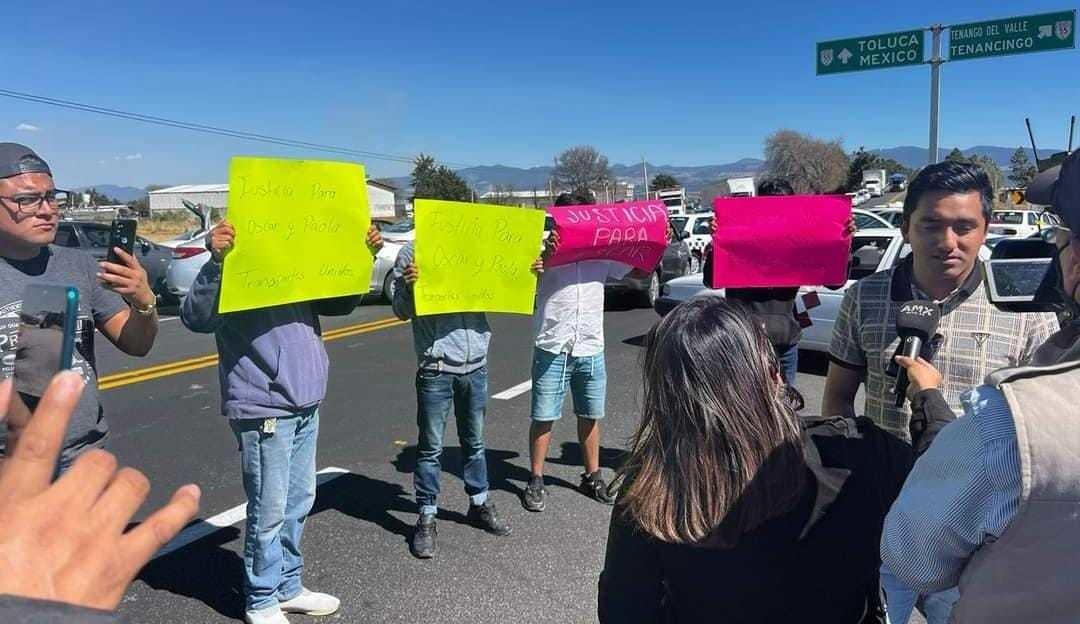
(845, 56)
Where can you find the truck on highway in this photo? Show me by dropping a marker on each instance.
(897, 182)
(874, 181)
(674, 199)
(741, 187)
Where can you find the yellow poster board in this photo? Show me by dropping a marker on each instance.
(301, 227)
(475, 257)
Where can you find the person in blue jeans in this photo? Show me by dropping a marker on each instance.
(451, 353)
(273, 370)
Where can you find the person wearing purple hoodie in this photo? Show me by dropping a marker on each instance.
(273, 370)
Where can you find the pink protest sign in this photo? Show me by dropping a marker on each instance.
(634, 233)
(795, 240)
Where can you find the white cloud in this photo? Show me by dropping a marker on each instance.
(25, 127)
(137, 156)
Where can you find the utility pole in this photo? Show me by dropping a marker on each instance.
(645, 177)
(935, 90)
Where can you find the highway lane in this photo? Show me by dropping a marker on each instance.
(355, 542)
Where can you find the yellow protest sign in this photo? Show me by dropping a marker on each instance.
(475, 257)
(300, 231)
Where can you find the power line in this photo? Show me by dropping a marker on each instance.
(205, 129)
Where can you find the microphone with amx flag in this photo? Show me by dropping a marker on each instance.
(916, 324)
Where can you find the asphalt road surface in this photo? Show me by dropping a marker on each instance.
(165, 418)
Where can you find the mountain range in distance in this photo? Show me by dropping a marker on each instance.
(694, 178)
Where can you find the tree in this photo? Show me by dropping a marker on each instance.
(664, 181)
(810, 165)
(581, 170)
(1021, 171)
(997, 178)
(434, 181)
(861, 160)
(956, 156)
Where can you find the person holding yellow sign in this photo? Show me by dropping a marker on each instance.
(451, 350)
(273, 370)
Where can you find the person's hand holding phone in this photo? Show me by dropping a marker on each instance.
(66, 541)
(128, 279)
(221, 241)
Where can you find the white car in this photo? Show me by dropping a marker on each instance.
(189, 258)
(1021, 223)
(895, 216)
(699, 227)
(855, 197)
(873, 250)
(864, 219)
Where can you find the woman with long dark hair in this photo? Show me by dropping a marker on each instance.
(732, 508)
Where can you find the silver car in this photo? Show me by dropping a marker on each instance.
(189, 258)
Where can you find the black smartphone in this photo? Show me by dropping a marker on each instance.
(46, 342)
(122, 235)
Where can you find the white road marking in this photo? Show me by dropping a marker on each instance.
(162, 319)
(510, 393)
(203, 527)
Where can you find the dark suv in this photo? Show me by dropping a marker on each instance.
(94, 238)
(675, 262)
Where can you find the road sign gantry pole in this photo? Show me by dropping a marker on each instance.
(935, 90)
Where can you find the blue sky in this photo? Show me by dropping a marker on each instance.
(495, 82)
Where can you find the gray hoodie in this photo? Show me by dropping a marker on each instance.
(272, 360)
(450, 343)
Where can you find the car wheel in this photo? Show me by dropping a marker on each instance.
(648, 297)
(388, 287)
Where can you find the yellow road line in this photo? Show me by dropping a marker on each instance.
(128, 378)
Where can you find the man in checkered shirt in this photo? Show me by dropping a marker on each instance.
(946, 214)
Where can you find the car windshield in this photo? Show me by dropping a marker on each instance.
(400, 227)
(1012, 218)
(864, 221)
(866, 253)
(701, 226)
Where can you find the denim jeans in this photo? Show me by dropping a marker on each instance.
(553, 373)
(789, 363)
(436, 393)
(279, 480)
(900, 601)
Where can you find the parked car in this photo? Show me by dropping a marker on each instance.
(1022, 223)
(698, 228)
(189, 258)
(401, 232)
(895, 216)
(94, 238)
(675, 263)
(864, 220)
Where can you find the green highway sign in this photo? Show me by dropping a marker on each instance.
(872, 52)
(1013, 35)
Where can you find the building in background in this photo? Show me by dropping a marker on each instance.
(536, 198)
(381, 198)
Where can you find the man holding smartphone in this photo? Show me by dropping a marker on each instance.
(115, 298)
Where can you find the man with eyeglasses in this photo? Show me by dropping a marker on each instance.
(114, 298)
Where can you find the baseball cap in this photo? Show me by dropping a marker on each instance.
(1059, 188)
(16, 159)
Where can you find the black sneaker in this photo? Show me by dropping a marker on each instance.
(423, 541)
(595, 488)
(484, 517)
(535, 495)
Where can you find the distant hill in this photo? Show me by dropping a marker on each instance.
(122, 194)
(916, 157)
(694, 178)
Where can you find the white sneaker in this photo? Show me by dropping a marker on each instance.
(311, 603)
(269, 615)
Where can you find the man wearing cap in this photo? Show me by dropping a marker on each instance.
(114, 298)
(992, 505)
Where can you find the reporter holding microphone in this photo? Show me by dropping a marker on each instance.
(992, 505)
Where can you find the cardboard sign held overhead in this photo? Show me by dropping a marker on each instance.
(634, 233)
(300, 231)
(766, 242)
(475, 257)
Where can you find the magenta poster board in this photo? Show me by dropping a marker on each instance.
(634, 233)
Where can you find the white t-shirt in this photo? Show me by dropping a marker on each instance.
(569, 315)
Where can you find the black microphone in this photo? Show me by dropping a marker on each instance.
(916, 322)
